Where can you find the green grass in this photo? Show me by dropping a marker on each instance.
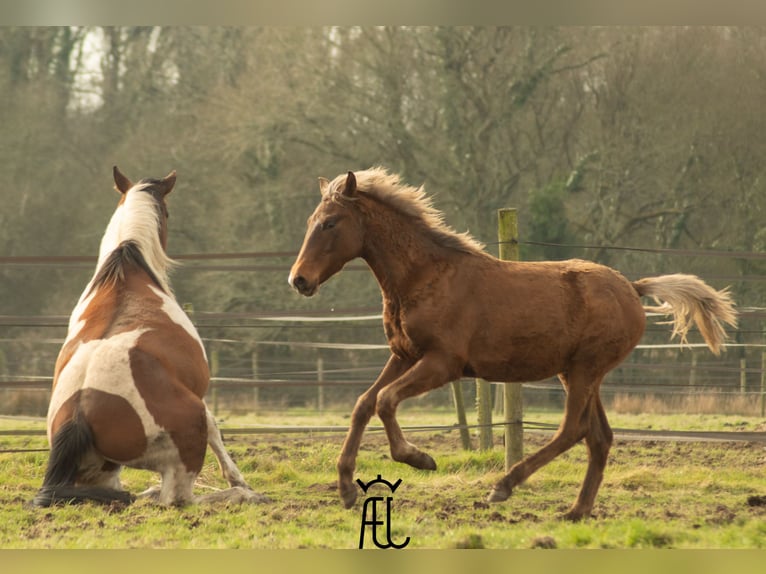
(656, 494)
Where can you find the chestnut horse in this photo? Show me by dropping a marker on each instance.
(129, 380)
(451, 310)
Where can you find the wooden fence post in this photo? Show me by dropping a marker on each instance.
(693, 371)
(508, 236)
(256, 376)
(742, 375)
(763, 384)
(498, 408)
(457, 395)
(320, 383)
(484, 413)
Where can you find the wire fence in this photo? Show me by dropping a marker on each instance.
(529, 427)
(253, 370)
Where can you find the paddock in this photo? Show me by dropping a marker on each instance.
(272, 370)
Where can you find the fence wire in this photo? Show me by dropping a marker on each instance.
(727, 377)
(529, 427)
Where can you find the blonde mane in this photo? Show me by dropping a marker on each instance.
(413, 202)
(136, 220)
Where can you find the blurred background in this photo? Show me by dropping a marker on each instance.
(638, 147)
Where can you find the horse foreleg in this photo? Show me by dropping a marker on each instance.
(599, 441)
(428, 373)
(240, 491)
(361, 415)
(228, 468)
(177, 485)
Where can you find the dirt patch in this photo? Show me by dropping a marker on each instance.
(545, 542)
(722, 515)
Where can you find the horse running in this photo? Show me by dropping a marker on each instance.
(451, 310)
(129, 380)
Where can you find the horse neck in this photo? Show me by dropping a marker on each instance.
(399, 251)
(136, 220)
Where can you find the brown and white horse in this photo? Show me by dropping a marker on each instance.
(451, 310)
(130, 377)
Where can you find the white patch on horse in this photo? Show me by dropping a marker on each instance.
(104, 365)
(174, 312)
(75, 323)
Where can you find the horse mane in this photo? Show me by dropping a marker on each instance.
(132, 238)
(411, 201)
(112, 270)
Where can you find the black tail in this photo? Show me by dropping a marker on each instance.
(73, 440)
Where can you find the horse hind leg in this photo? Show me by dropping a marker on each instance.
(599, 441)
(76, 473)
(176, 478)
(177, 486)
(572, 429)
(179, 473)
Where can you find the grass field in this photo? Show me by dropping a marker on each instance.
(656, 494)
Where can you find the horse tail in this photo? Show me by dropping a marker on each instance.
(691, 301)
(70, 444)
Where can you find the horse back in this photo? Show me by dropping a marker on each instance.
(557, 314)
(516, 321)
(134, 367)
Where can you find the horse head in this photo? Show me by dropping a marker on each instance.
(157, 188)
(334, 235)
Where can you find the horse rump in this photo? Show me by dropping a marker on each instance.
(70, 444)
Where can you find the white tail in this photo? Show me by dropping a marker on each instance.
(690, 300)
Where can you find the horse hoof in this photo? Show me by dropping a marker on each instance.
(348, 496)
(253, 497)
(419, 460)
(573, 517)
(498, 495)
(425, 462)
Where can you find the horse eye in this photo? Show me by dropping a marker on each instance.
(329, 224)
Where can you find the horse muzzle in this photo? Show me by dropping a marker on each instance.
(302, 285)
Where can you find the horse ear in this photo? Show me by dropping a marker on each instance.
(324, 185)
(350, 189)
(121, 183)
(168, 182)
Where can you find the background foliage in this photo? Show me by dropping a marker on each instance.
(648, 137)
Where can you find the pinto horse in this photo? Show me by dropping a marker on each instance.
(130, 377)
(451, 310)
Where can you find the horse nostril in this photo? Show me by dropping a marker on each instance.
(303, 285)
(300, 282)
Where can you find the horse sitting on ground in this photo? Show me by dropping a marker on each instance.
(130, 378)
(451, 310)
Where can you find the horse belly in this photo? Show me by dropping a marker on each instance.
(551, 314)
(517, 342)
(162, 455)
(520, 361)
